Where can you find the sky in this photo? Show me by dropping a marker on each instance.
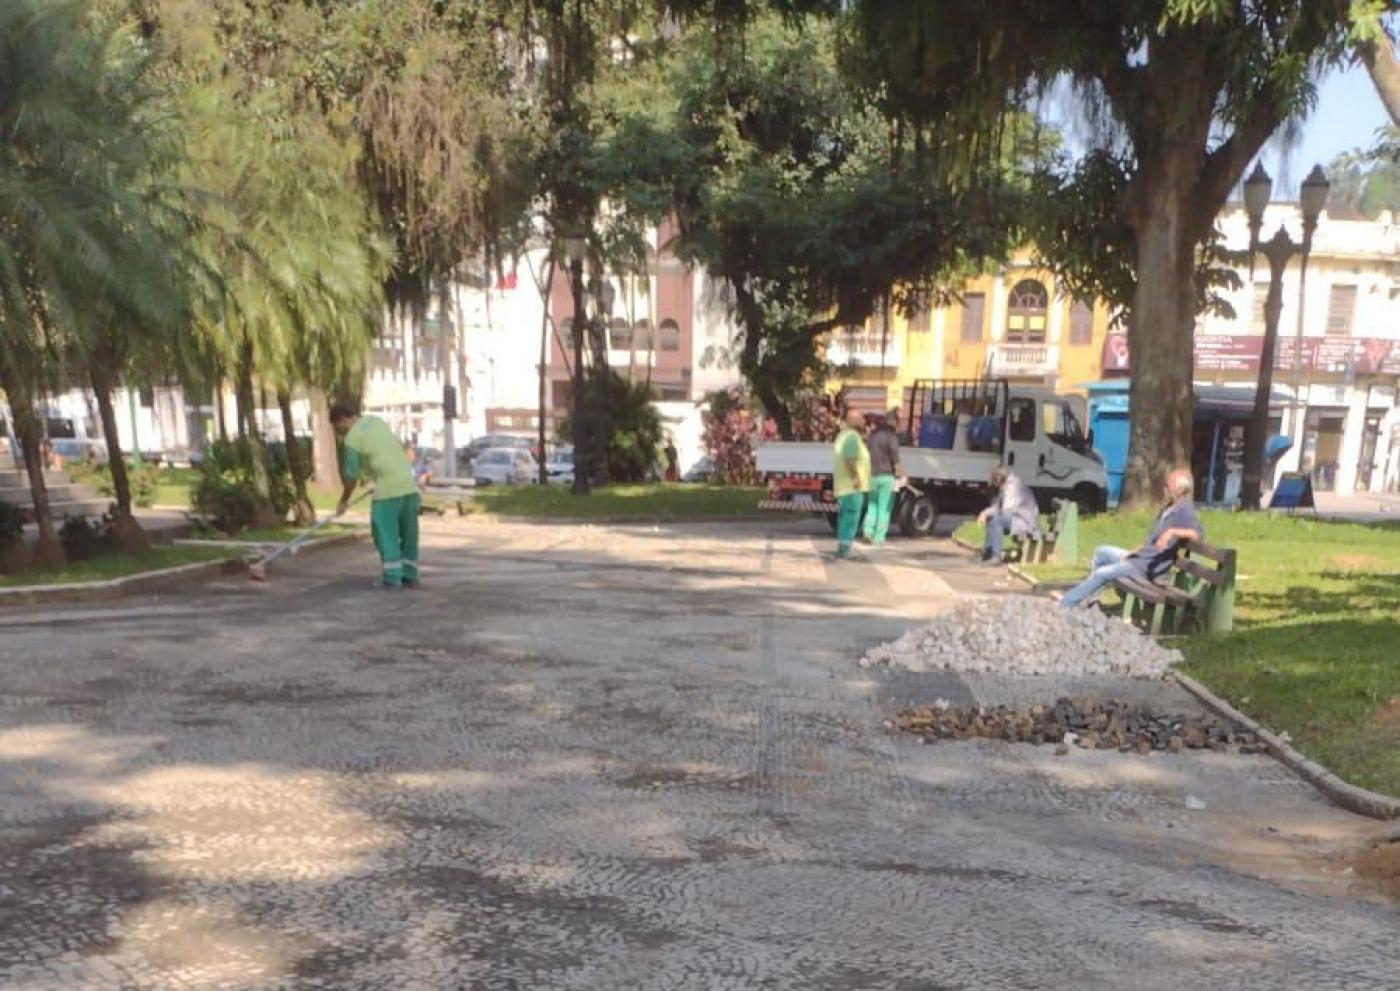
(1347, 115)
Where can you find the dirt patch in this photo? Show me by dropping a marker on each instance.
(1358, 562)
(1379, 865)
(1389, 712)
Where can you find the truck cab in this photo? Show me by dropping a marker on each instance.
(1047, 446)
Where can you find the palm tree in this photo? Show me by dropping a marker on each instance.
(301, 258)
(74, 232)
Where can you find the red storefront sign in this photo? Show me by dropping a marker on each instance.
(1240, 353)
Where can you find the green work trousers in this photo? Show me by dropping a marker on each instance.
(877, 511)
(847, 519)
(394, 524)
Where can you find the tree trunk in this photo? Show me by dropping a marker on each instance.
(773, 405)
(602, 373)
(127, 534)
(583, 451)
(220, 414)
(50, 548)
(1160, 331)
(303, 511)
(323, 449)
(1379, 58)
(266, 515)
(101, 369)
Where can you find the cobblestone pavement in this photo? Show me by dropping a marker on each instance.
(615, 758)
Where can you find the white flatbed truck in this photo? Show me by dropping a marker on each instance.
(954, 432)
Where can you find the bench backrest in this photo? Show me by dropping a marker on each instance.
(1221, 575)
(1217, 584)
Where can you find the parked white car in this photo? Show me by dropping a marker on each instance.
(560, 465)
(505, 466)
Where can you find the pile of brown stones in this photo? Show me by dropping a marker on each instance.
(1085, 721)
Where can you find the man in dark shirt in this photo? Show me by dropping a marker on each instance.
(1176, 522)
(884, 467)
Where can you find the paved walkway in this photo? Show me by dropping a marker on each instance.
(615, 758)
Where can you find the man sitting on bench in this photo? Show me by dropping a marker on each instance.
(1176, 522)
(1013, 510)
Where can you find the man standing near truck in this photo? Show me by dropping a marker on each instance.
(850, 480)
(884, 468)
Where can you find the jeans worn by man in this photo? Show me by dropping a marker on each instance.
(1177, 522)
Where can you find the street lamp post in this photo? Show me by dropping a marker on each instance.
(574, 246)
(1277, 251)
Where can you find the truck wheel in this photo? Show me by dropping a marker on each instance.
(1088, 498)
(920, 516)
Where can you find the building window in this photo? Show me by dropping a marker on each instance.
(670, 335)
(620, 335)
(641, 336)
(919, 320)
(1026, 310)
(1341, 306)
(1081, 322)
(974, 310)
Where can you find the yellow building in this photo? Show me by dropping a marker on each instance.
(1016, 323)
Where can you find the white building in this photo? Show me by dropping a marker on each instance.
(1343, 416)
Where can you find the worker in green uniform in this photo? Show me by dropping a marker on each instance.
(373, 454)
(850, 480)
(885, 469)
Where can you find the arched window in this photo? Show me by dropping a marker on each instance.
(670, 335)
(1026, 311)
(620, 335)
(641, 336)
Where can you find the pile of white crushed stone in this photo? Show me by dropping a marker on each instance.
(1023, 635)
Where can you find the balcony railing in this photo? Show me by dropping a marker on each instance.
(1024, 359)
(862, 349)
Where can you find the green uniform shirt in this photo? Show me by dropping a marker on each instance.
(850, 445)
(374, 454)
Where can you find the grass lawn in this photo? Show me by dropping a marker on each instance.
(106, 566)
(1316, 647)
(175, 487)
(661, 502)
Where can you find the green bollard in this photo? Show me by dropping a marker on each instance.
(1067, 541)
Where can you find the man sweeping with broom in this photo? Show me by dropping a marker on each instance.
(374, 455)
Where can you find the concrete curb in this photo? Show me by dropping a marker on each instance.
(624, 520)
(113, 588)
(1348, 796)
(1013, 569)
(258, 546)
(145, 581)
(1016, 572)
(965, 544)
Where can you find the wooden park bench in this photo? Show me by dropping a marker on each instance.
(1059, 540)
(1192, 597)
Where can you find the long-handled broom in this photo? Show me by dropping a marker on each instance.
(257, 571)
